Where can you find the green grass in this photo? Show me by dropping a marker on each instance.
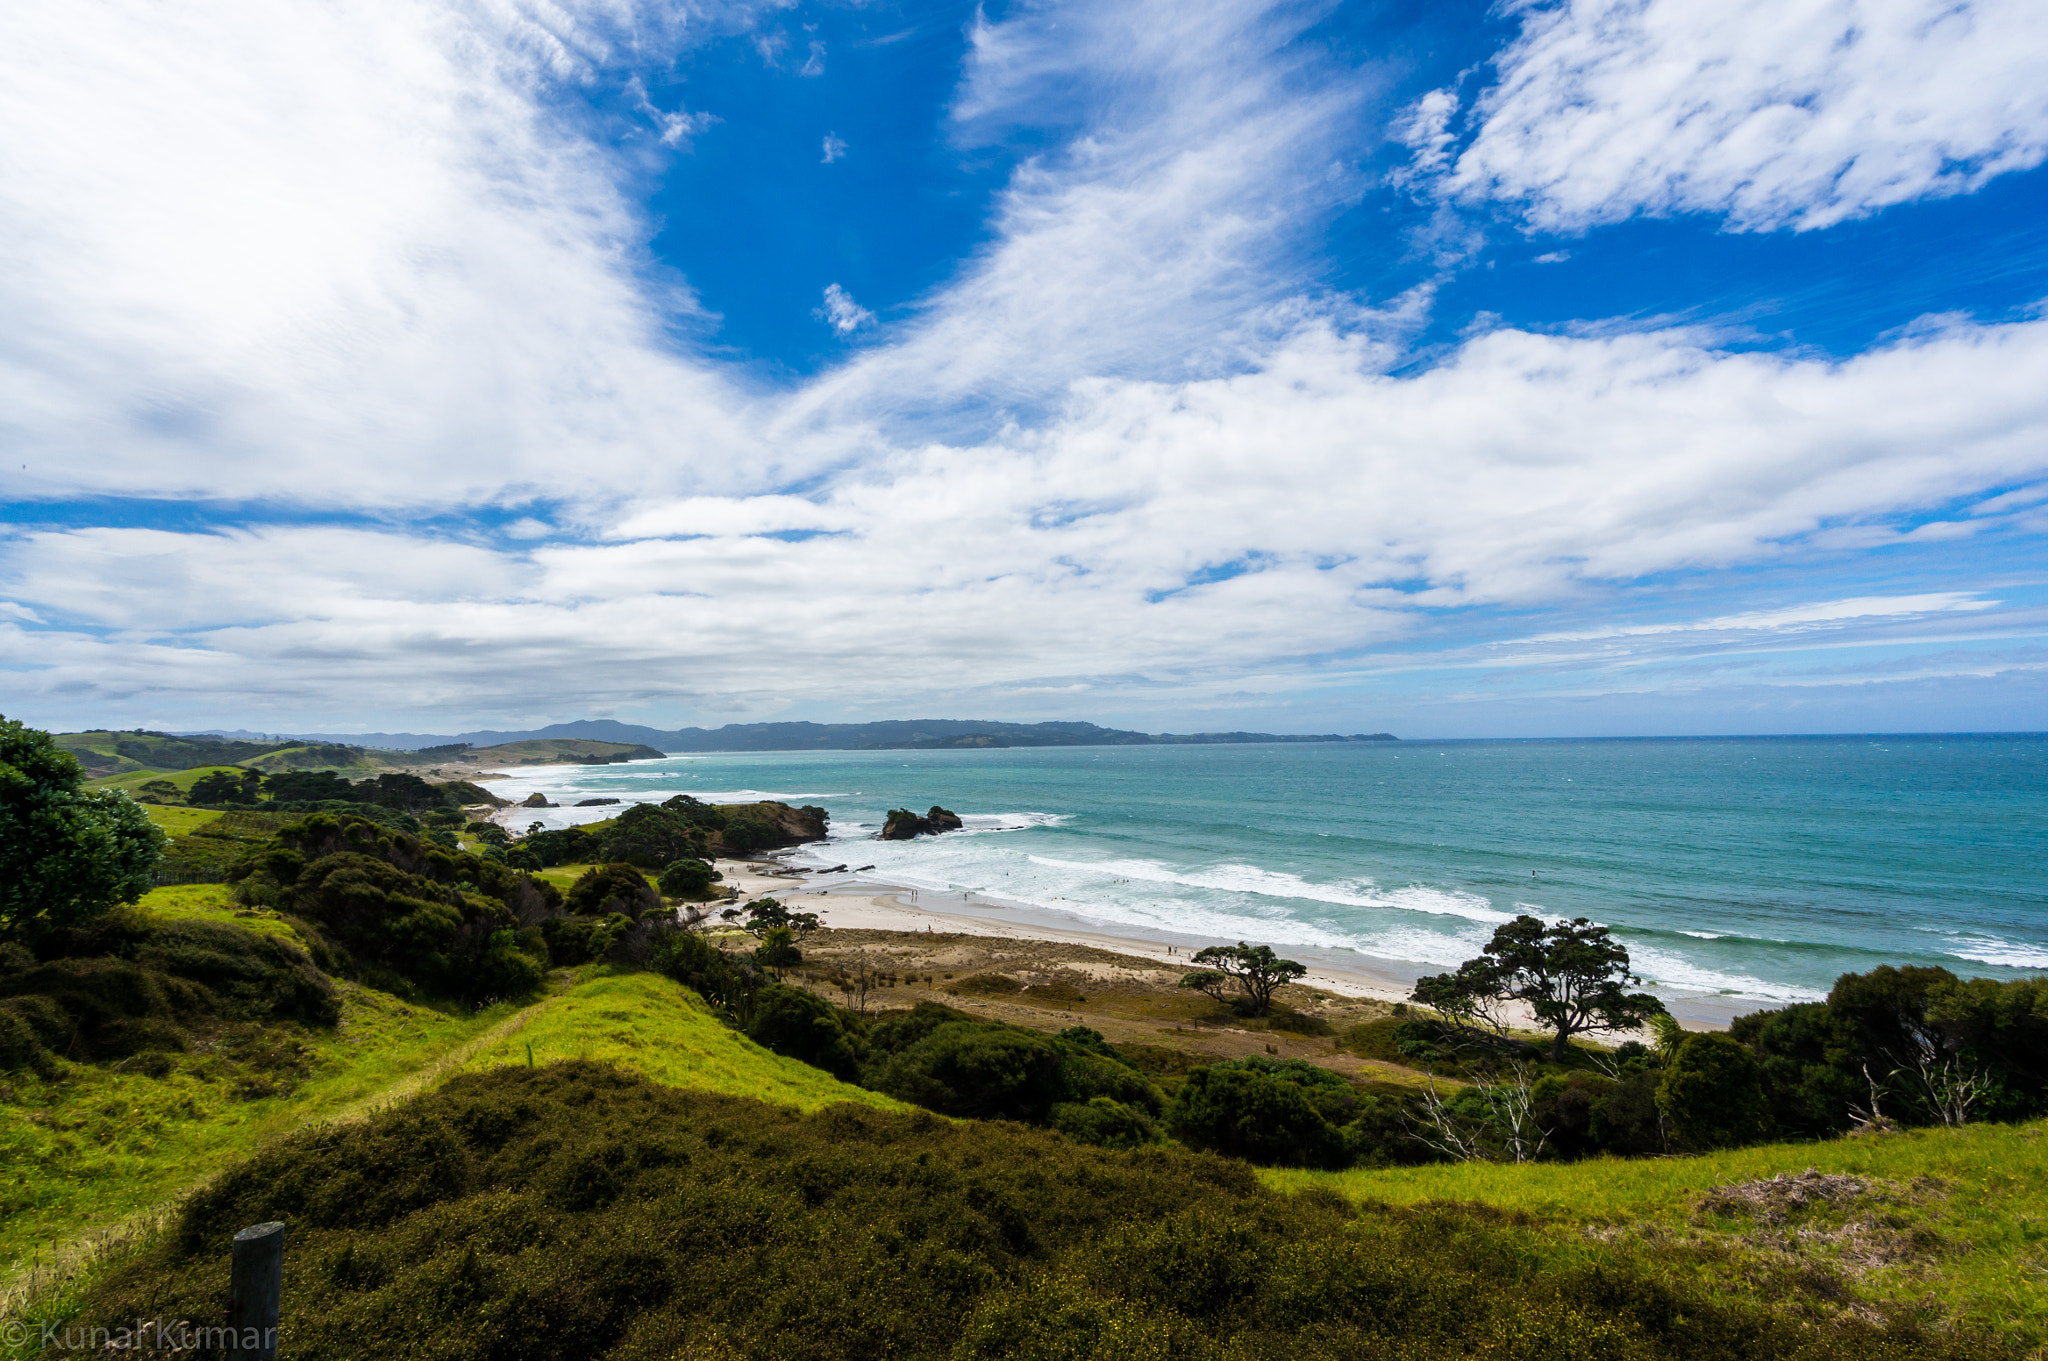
(1956, 1220)
(89, 1153)
(179, 821)
(210, 902)
(184, 779)
(646, 1024)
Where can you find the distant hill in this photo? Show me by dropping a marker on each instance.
(558, 751)
(105, 753)
(892, 734)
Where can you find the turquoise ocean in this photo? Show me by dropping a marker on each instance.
(1738, 871)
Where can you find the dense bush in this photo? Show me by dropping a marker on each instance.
(545, 849)
(604, 889)
(1714, 1094)
(653, 835)
(403, 912)
(1585, 1114)
(957, 1064)
(1901, 1039)
(574, 1212)
(122, 984)
(1266, 1111)
(580, 940)
(688, 878)
(960, 1066)
(804, 1026)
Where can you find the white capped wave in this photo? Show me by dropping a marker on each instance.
(1681, 974)
(1992, 950)
(1264, 883)
(974, 823)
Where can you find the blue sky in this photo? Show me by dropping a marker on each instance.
(1597, 367)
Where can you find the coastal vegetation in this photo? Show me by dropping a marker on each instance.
(532, 1112)
(654, 836)
(1254, 972)
(66, 853)
(576, 1211)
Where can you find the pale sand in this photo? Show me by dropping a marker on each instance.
(852, 903)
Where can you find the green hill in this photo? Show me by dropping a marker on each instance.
(105, 753)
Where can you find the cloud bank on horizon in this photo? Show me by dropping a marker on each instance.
(1593, 367)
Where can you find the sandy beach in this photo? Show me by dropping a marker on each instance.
(849, 902)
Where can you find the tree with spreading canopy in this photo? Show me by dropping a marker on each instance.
(768, 915)
(1571, 977)
(1253, 969)
(66, 853)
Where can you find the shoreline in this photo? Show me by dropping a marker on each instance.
(870, 903)
(851, 901)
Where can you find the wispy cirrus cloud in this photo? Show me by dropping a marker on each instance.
(1770, 113)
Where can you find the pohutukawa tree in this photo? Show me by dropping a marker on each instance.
(1572, 977)
(1254, 970)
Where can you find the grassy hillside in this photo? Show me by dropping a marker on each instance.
(88, 1152)
(574, 1211)
(645, 1024)
(179, 821)
(112, 753)
(322, 756)
(134, 780)
(99, 1144)
(1951, 1220)
(140, 759)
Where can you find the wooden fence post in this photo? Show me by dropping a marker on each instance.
(256, 1291)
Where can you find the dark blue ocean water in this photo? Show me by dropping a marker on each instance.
(1740, 868)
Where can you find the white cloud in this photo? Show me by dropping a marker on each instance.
(834, 147)
(1772, 113)
(1526, 471)
(1822, 613)
(841, 312)
(337, 254)
(814, 63)
(390, 279)
(1189, 154)
(1426, 130)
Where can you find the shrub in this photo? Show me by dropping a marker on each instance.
(806, 1027)
(1105, 1122)
(563, 846)
(650, 836)
(123, 985)
(1261, 1111)
(580, 940)
(1905, 1032)
(688, 878)
(1713, 1093)
(510, 969)
(970, 1068)
(777, 949)
(402, 912)
(571, 1212)
(605, 889)
(988, 985)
